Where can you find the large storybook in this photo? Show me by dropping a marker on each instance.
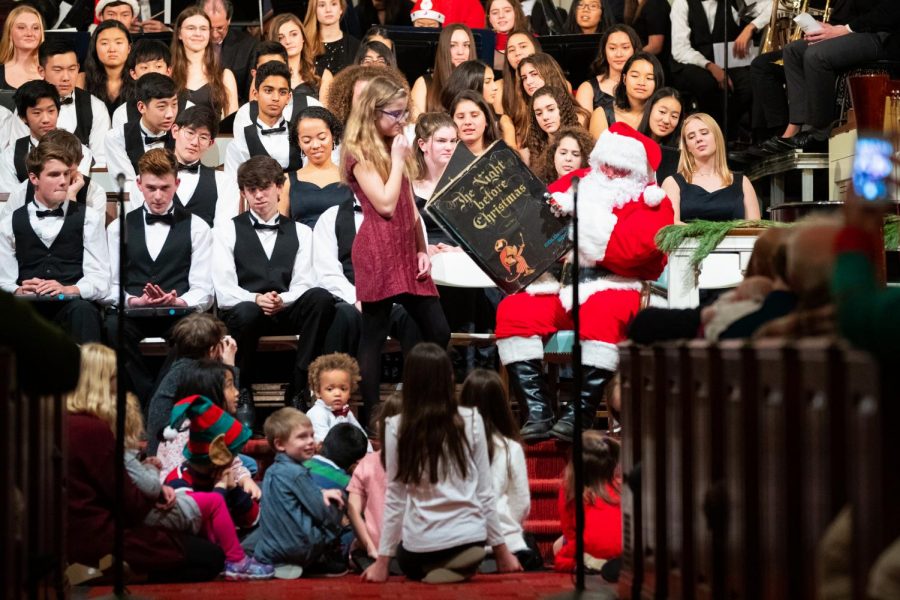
(496, 209)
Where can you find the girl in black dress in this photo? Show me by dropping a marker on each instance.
(617, 45)
(641, 77)
(456, 45)
(333, 48)
(287, 29)
(23, 32)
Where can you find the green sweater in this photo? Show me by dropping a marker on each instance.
(868, 315)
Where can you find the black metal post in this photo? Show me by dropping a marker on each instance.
(121, 407)
(725, 18)
(577, 374)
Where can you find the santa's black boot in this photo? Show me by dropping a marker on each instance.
(592, 388)
(526, 378)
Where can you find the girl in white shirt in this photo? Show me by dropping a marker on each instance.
(483, 390)
(440, 500)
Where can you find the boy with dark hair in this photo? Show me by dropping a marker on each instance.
(123, 11)
(262, 270)
(167, 265)
(52, 249)
(202, 190)
(146, 56)
(37, 106)
(343, 447)
(80, 112)
(268, 133)
(157, 102)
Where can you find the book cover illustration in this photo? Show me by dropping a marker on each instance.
(495, 208)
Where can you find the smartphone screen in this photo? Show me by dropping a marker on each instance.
(871, 168)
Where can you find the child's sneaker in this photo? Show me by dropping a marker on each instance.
(248, 568)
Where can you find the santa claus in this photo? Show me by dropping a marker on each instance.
(620, 210)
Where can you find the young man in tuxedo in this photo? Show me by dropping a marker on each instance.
(146, 56)
(263, 275)
(167, 263)
(53, 250)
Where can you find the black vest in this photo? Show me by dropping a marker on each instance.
(80, 197)
(23, 147)
(255, 271)
(63, 260)
(702, 39)
(84, 116)
(298, 104)
(203, 202)
(171, 268)
(134, 142)
(255, 146)
(345, 233)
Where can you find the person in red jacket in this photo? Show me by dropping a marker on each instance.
(439, 13)
(602, 511)
(620, 211)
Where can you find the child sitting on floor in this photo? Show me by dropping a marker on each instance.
(214, 440)
(300, 522)
(344, 446)
(333, 377)
(602, 511)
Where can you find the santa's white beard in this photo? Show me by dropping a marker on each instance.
(599, 189)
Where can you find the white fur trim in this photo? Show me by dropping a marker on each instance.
(545, 284)
(601, 355)
(564, 200)
(594, 231)
(653, 195)
(135, 9)
(518, 349)
(169, 433)
(619, 151)
(589, 288)
(426, 12)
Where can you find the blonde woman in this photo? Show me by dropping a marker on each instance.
(195, 66)
(23, 32)
(704, 188)
(287, 29)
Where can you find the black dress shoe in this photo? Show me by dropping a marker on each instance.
(810, 141)
(777, 145)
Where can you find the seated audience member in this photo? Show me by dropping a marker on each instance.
(373, 13)
(91, 476)
(86, 191)
(350, 82)
(513, 102)
(435, 142)
(202, 191)
(696, 27)
(104, 73)
(332, 378)
(332, 47)
(157, 102)
(147, 56)
(287, 29)
(317, 186)
(476, 76)
(301, 97)
(377, 33)
(483, 390)
(552, 108)
(373, 53)
(475, 121)
(23, 32)
(617, 45)
(456, 45)
(344, 446)
(366, 492)
(544, 18)
(503, 17)
(641, 77)
(268, 134)
(231, 45)
(80, 112)
(438, 13)
(37, 107)
(588, 16)
(300, 522)
(264, 278)
(602, 511)
(662, 117)
(650, 20)
(196, 337)
(704, 188)
(123, 11)
(857, 33)
(53, 246)
(168, 263)
(568, 151)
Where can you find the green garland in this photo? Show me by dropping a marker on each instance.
(711, 234)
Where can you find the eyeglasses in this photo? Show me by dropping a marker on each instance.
(396, 115)
(592, 6)
(374, 60)
(191, 135)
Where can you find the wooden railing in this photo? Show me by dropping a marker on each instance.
(32, 491)
(739, 457)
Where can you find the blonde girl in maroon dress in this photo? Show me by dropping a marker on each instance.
(390, 259)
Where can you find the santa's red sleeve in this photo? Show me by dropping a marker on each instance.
(631, 250)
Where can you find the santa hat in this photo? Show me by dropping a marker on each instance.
(135, 9)
(424, 9)
(215, 436)
(622, 147)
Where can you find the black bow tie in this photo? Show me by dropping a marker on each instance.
(194, 168)
(357, 208)
(56, 212)
(154, 140)
(278, 129)
(264, 226)
(168, 218)
(69, 100)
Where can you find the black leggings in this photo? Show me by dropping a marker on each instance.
(416, 565)
(426, 311)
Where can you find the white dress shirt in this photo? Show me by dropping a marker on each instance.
(9, 180)
(329, 270)
(119, 116)
(323, 420)
(96, 200)
(227, 201)
(242, 116)
(117, 160)
(452, 512)
(229, 293)
(276, 144)
(200, 289)
(510, 475)
(682, 52)
(5, 135)
(94, 283)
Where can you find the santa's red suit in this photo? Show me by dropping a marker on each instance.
(618, 221)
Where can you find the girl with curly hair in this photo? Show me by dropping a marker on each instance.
(512, 101)
(568, 151)
(551, 109)
(349, 83)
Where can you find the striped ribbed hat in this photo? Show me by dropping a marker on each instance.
(212, 431)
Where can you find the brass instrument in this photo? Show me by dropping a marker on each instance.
(782, 30)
